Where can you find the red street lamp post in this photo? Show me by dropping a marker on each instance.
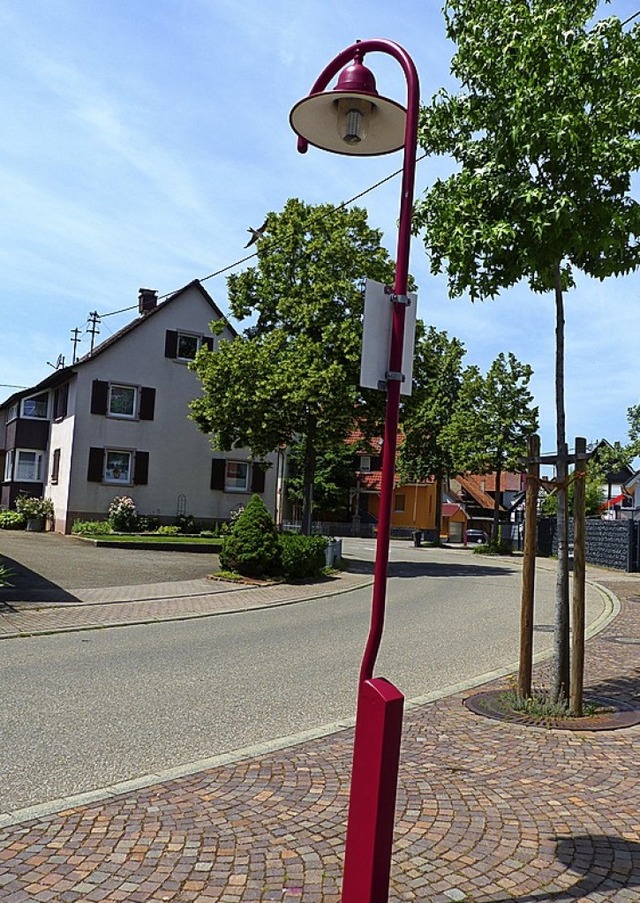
(354, 119)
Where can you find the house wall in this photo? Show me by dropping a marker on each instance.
(179, 472)
(61, 438)
(419, 506)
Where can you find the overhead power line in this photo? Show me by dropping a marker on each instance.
(241, 260)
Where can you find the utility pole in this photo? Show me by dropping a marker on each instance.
(93, 327)
(75, 341)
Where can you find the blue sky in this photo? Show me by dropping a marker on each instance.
(140, 140)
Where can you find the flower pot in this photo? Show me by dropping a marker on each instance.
(35, 524)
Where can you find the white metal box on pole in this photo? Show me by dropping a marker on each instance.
(376, 337)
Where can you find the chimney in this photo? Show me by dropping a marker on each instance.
(147, 300)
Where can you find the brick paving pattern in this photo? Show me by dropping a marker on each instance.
(488, 812)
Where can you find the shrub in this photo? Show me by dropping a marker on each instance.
(148, 523)
(185, 523)
(251, 548)
(168, 530)
(302, 557)
(32, 506)
(497, 547)
(92, 527)
(12, 520)
(123, 516)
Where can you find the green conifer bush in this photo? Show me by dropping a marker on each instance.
(251, 548)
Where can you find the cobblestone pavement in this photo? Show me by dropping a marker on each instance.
(488, 812)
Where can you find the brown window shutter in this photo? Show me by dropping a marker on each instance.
(218, 467)
(55, 465)
(60, 401)
(141, 468)
(99, 395)
(96, 461)
(147, 402)
(257, 477)
(171, 343)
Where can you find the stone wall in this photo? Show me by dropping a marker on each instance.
(609, 543)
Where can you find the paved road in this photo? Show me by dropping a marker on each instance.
(83, 710)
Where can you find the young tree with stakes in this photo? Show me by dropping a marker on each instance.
(545, 132)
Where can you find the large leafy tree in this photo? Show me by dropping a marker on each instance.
(293, 376)
(437, 376)
(334, 478)
(493, 417)
(544, 131)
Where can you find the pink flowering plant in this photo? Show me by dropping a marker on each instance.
(123, 515)
(32, 507)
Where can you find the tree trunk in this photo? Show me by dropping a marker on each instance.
(560, 688)
(438, 511)
(309, 476)
(495, 527)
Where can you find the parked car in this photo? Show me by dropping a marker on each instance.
(477, 536)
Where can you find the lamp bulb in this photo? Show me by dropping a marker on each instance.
(353, 119)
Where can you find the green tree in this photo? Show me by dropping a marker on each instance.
(633, 419)
(251, 548)
(437, 375)
(334, 477)
(293, 375)
(545, 133)
(594, 496)
(492, 419)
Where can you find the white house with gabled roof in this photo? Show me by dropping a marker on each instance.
(116, 423)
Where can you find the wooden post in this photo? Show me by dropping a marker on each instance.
(529, 567)
(578, 602)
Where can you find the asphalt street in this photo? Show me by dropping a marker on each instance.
(84, 710)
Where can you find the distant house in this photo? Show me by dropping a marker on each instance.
(632, 491)
(477, 494)
(116, 423)
(413, 504)
(614, 494)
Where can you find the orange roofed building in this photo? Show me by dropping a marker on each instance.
(414, 504)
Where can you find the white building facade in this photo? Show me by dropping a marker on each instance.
(116, 423)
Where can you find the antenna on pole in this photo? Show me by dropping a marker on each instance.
(93, 327)
(58, 364)
(75, 341)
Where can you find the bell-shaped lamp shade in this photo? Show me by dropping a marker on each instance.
(350, 122)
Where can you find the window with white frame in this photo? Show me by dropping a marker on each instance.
(236, 478)
(36, 406)
(12, 413)
(365, 463)
(8, 465)
(28, 466)
(117, 466)
(122, 401)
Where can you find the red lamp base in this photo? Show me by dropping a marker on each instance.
(374, 781)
